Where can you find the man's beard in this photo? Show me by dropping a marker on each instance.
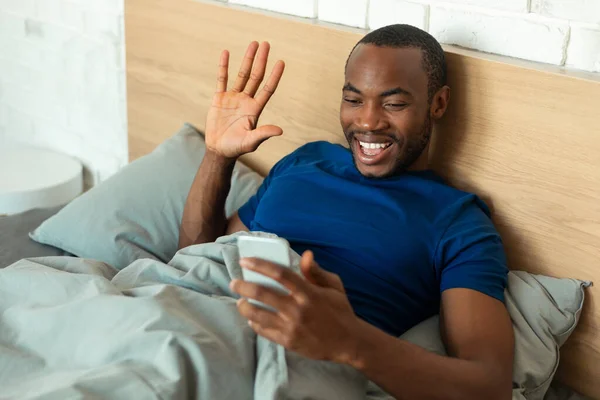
(410, 154)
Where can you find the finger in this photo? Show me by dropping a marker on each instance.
(282, 302)
(265, 132)
(317, 275)
(285, 276)
(274, 335)
(223, 71)
(269, 88)
(246, 67)
(258, 315)
(259, 135)
(258, 69)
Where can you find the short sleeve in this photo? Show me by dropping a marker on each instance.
(248, 210)
(470, 253)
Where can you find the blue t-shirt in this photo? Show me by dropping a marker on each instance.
(396, 243)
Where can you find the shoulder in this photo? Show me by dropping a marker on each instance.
(470, 253)
(444, 203)
(466, 232)
(465, 208)
(459, 217)
(449, 203)
(465, 218)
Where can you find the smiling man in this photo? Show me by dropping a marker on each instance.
(385, 242)
(403, 136)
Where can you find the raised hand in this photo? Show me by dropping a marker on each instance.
(231, 125)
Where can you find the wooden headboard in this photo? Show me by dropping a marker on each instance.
(526, 140)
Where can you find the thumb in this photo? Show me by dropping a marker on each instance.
(265, 132)
(317, 275)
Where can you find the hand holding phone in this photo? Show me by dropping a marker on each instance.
(275, 250)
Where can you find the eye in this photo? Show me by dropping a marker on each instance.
(396, 106)
(351, 101)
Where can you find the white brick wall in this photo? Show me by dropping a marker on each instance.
(60, 12)
(577, 10)
(508, 5)
(507, 34)
(559, 32)
(346, 12)
(302, 8)
(62, 83)
(388, 12)
(22, 7)
(62, 79)
(584, 47)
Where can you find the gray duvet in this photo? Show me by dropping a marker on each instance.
(75, 328)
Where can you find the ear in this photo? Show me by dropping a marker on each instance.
(439, 103)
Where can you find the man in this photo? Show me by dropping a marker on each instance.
(394, 244)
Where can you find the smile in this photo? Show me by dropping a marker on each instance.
(371, 153)
(366, 145)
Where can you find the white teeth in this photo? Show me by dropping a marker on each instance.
(373, 145)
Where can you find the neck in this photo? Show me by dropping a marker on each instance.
(422, 162)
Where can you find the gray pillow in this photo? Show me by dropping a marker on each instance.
(137, 212)
(544, 312)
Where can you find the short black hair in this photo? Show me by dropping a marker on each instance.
(407, 36)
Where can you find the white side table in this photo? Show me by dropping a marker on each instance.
(32, 177)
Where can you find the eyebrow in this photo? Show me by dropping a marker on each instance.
(397, 90)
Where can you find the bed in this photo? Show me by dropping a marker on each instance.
(524, 138)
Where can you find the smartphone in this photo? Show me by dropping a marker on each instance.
(275, 250)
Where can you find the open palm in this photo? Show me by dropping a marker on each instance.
(231, 125)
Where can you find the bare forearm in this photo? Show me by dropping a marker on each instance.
(407, 371)
(204, 212)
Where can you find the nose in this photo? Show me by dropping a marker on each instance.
(370, 118)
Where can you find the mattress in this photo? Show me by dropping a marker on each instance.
(15, 243)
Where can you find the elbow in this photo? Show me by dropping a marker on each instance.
(184, 241)
(490, 385)
(503, 395)
(497, 388)
(488, 392)
(496, 380)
